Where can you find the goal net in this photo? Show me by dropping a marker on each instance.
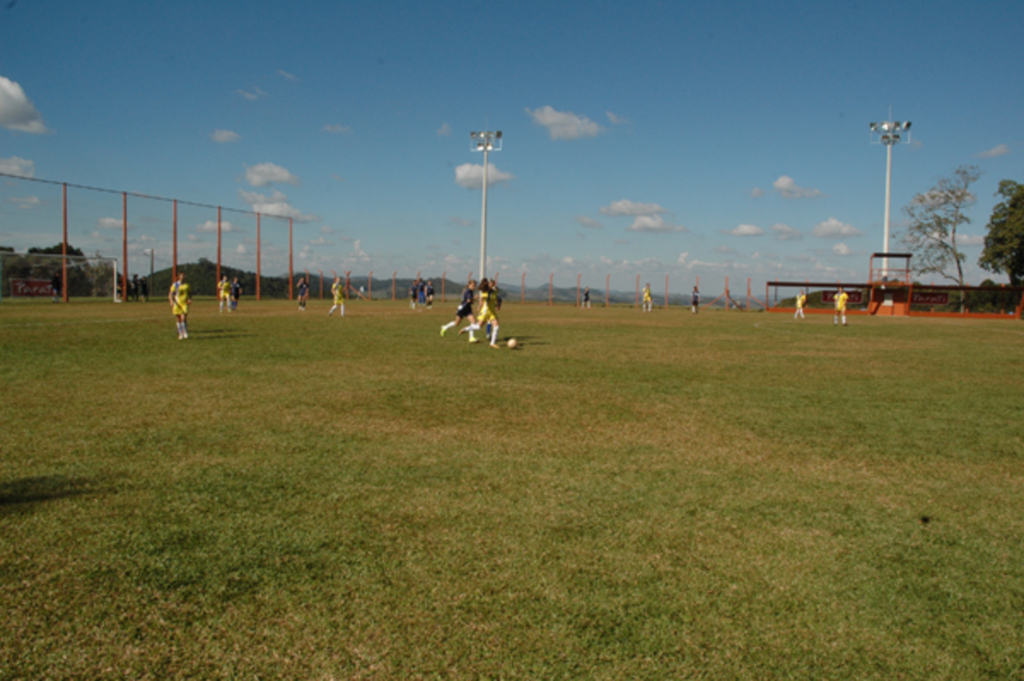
(36, 275)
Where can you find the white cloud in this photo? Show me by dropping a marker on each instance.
(998, 150)
(17, 111)
(962, 239)
(724, 250)
(255, 94)
(276, 204)
(444, 131)
(756, 193)
(320, 241)
(25, 201)
(471, 175)
(15, 165)
(681, 260)
(653, 223)
(627, 207)
(590, 223)
(788, 188)
(211, 226)
(265, 174)
(744, 230)
(240, 249)
(841, 249)
(358, 253)
(564, 125)
(287, 76)
(834, 229)
(223, 136)
(112, 223)
(195, 238)
(786, 233)
(567, 260)
(616, 120)
(462, 222)
(336, 129)
(326, 230)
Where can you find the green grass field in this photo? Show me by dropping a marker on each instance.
(287, 496)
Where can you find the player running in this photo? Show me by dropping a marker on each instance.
(338, 290)
(180, 297)
(841, 298)
(586, 298)
(648, 301)
(488, 313)
(224, 293)
(801, 302)
(695, 301)
(464, 311)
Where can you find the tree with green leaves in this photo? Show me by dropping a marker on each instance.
(1004, 243)
(934, 218)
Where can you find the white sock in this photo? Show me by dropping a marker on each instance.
(494, 335)
(449, 325)
(343, 309)
(844, 320)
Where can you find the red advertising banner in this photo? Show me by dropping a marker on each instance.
(929, 298)
(29, 288)
(856, 297)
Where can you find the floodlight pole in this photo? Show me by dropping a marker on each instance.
(888, 134)
(486, 142)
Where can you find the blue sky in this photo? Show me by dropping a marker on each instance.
(681, 139)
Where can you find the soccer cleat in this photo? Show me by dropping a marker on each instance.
(474, 340)
(495, 346)
(443, 330)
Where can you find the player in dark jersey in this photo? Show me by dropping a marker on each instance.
(413, 290)
(465, 309)
(430, 294)
(303, 293)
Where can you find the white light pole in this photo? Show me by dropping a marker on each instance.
(486, 142)
(888, 133)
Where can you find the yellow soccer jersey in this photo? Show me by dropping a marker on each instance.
(338, 290)
(225, 289)
(801, 300)
(181, 294)
(841, 301)
(647, 295)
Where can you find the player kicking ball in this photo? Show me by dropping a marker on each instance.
(338, 290)
(180, 297)
(488, 313)
(464, 311)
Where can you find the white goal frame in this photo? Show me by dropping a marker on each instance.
(71, 259)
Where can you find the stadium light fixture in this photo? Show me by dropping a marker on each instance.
(485, 141)
(888, 133)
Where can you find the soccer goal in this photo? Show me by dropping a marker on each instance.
(37, 275)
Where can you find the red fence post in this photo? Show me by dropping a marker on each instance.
(218, 247)
(124, 245)
(369, 285)
(174, 257)
(393, 277)
(258, 256)
(321, 273)
(64, 249)
(727, 294)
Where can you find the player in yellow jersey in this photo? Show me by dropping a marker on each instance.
(224, 293)
(801, 301)
(488, 313)
(648, 302)
(338, 291)
(180, 297)
(841, 298)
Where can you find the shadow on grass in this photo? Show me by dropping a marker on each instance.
(218, 334)
(17, 495)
